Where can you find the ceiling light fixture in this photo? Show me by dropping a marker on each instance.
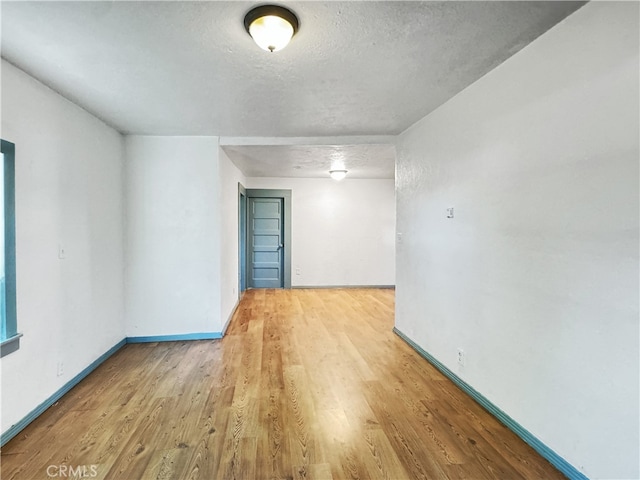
(271, 26)
(338, 174)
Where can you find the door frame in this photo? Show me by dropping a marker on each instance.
(285, 195)
(242, 239)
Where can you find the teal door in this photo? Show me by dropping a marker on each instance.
(266, 242)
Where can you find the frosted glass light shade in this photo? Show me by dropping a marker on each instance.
(271, 26)
(271, 33)
(338, 174)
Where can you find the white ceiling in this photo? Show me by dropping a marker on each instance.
(314, 161)
(189, 68)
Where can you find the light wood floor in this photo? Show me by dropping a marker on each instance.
(306, 384)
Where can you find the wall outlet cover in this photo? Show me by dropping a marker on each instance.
(461, 357)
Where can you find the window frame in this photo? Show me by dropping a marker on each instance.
(12, 341)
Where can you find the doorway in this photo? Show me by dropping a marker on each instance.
(265, 238)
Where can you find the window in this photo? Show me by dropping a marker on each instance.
(9, 336)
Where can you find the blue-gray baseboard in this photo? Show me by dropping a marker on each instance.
(36, 412)
(556, 460)
(176, 338)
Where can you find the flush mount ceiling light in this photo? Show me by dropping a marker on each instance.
(338, 174)
(271, 26)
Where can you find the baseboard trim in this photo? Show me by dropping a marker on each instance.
(175, 338)
(342, 286)
(556, 460)
(36, 412)
(39, 410)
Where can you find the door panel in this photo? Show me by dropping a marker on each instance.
(266, 233)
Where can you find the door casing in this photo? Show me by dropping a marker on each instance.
(242, 239)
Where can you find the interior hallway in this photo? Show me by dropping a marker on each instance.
(306, 384)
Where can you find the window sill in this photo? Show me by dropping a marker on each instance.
(10, 345)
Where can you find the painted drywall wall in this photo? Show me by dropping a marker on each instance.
(230, 176)
(172, 236)
(342, 233)
(69, 168)
(536, 276)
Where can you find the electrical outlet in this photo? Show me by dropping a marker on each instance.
(297, 271)
(60, 369)
(450, 212)
(462, 358)
(62, 254)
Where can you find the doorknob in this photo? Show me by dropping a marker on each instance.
(281, 246)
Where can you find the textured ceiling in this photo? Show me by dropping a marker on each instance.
(189, 68)
(314, 161)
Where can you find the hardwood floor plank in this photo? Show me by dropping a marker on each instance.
(320, 471)
(300, 421)
(133, 459)
(419, 459)
(382, 461)
(168, 464)
(306, 384)
(273, 448)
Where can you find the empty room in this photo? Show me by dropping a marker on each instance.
(320, 240)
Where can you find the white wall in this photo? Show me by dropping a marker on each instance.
(230, 176)
(342, 233)
(172, 236)
(69, 169)
(536, 277)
